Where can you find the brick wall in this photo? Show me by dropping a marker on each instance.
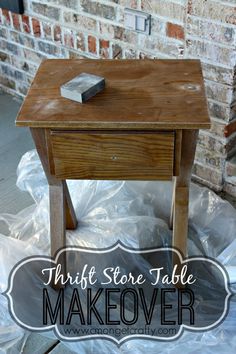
(204, 29)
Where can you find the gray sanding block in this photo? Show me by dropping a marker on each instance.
(82, 87)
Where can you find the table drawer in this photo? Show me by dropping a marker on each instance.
(111, 155)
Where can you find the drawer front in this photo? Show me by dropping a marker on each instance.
(112, 155)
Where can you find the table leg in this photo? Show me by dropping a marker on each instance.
(57, 222)
(71, 221)
(39, 136)
(172, 204)
(62, 213)
(181, 191)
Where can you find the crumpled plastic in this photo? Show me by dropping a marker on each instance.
(137, 214)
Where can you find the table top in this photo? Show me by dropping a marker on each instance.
(139, 94)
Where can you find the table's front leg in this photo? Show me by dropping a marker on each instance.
(181, 191)
(39, 136)
(62, 214)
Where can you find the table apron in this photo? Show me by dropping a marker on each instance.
(112, 155)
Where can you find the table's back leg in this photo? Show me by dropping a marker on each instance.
(71, 220)
(172, 205)
(57, 221)
(181, 190)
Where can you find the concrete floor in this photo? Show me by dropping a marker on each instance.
(14, 142)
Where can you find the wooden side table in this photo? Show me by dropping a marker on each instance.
(143, 126)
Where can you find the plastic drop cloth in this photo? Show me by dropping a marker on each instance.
(136, 213)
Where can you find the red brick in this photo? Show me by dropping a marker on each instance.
(104, 48)
(104, 44)
(16, 21)
(92, 44)
(230, 129)
(175, 31)
(36, 27)
(57, 33)
(25, 23)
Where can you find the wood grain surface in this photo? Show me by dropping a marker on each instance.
(139, 94)
(123, 156)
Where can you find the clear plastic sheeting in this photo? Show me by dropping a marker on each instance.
(137, 214)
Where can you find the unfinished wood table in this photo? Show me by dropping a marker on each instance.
(143, 126)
